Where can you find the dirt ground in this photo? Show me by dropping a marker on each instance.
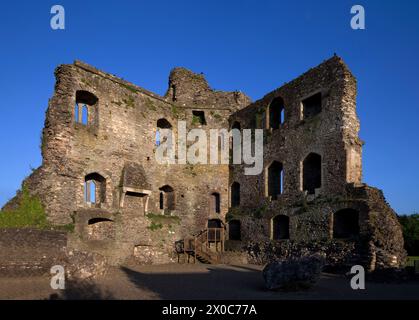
(189, 281)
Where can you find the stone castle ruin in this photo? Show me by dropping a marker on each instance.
(99, 172)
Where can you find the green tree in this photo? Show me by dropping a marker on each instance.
(410, 226)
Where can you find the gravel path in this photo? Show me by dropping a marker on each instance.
(198, 281)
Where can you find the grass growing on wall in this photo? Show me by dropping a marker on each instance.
(155, 226)
(161, 218)
(29, 213)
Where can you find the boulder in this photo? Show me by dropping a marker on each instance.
(294, 273)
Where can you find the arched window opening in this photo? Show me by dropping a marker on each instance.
(94, 189)
(234, 230)
(275, 180)
(276, 113)
(280, 227)
(167, 199)
(345, 224)
(312, 173)
(235, 194)
(84, 101)
(215, 205)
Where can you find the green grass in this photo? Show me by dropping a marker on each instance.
(155, 226)
(29, 213)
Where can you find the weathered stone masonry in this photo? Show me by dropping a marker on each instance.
(321, 203)
(99, 169)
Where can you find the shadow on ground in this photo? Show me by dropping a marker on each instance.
(81, 290)
(214, 283)
(241, 282)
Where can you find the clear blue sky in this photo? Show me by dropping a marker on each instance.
(254, 46)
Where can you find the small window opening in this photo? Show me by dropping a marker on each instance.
(312, 173)
(94, 189)
(235, 194)
(312, 105)
(275, 179)
(198, 117)
(276, 113)
(215, 202)
(167, 199)
(84, 101)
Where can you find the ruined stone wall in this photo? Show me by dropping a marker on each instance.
(333, 134)
(120, 134)
(379, 243)
(28, 252)
(330, 134)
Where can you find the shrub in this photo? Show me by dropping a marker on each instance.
(29, 213)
